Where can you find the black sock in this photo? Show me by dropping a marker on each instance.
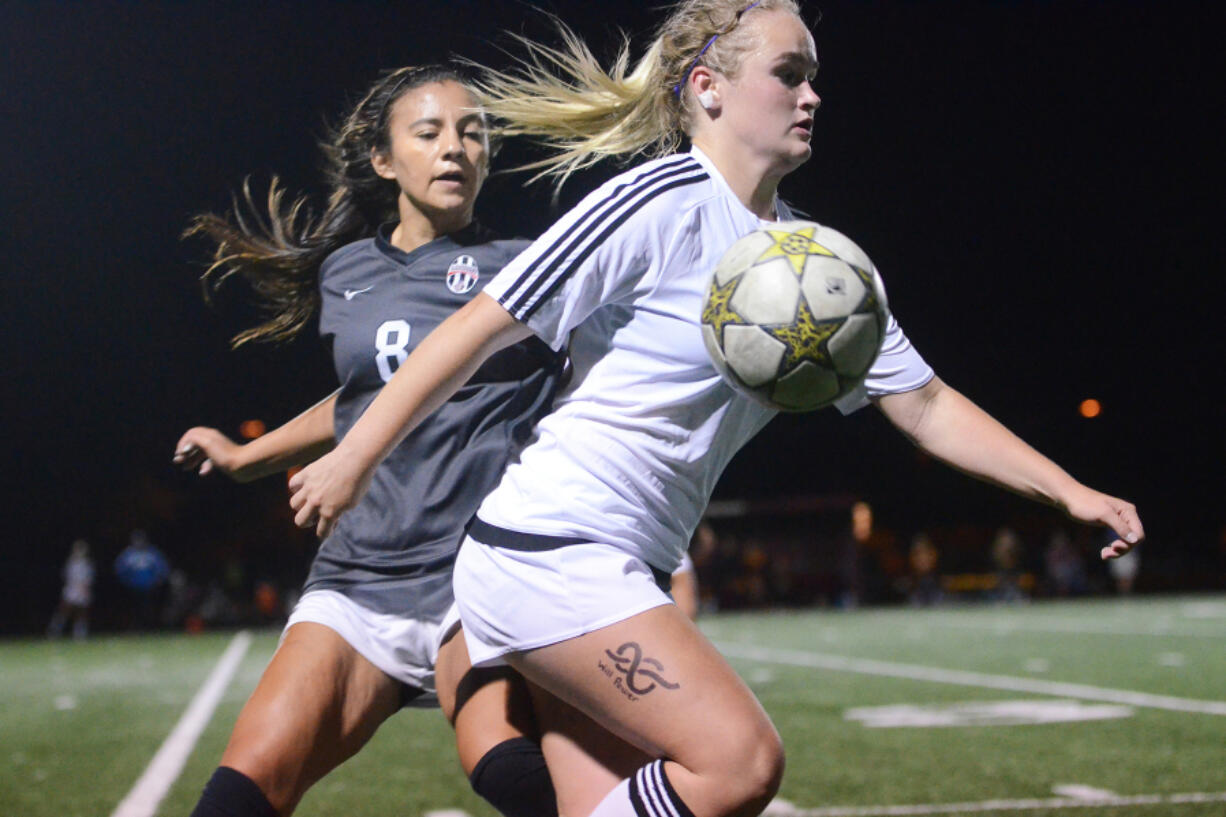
(513, 778)
(231, 793)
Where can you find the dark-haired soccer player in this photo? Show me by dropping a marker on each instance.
(396, 252)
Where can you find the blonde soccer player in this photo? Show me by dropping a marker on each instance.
(559, 574)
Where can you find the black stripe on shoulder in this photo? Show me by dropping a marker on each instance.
(550, 257)
(595, 210)
(557, 280)
(545, 275)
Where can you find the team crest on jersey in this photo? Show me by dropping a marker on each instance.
(462, 275)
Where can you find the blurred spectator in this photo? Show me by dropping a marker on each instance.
(724, 569)
(142, 569)
(217, 609)
(880, 568)
(1066, 572)
(78, 594)
(1007, 559)
(1124, 569)
(234, 577)
(704, 550)
(704, 544)
(267, 602)
(925, 584)
(849, 553)
(181, 598)
(781, 574)
(752, 583)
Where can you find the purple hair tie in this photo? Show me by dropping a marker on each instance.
(677, 88)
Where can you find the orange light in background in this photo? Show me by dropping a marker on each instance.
(1090, 408)
(250, 429)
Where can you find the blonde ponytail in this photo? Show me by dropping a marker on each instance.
(564, 99)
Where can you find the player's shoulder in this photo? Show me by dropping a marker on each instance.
(664, 182)
(344, 260)
(647, 202)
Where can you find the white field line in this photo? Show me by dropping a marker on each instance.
(1006, 627)
(1000, 805)
(917, 672)
(1204, 609)
(1078, 791)
(164, 769)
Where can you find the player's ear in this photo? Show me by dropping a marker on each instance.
(704, 84)
(381, 161)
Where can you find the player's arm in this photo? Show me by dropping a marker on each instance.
(947, 425)
(435, 370)
(303, 439)
(685, 592)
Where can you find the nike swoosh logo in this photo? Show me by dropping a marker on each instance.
(350, 294)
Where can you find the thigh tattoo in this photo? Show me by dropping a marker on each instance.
(632, 673)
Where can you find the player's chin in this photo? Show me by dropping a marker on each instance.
(797, 154)
(453, 201)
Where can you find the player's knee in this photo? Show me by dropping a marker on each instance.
(512, 777)
(756, 772)
(765, 772)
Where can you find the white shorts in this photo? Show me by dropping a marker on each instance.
(404, 648)
(515, 600)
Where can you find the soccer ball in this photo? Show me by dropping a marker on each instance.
(794, 315)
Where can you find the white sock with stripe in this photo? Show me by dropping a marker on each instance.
(646, 794)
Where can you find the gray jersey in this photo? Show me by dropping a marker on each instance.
(393, 552)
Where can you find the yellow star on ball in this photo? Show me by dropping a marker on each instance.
(795, 246)
(805, 338)
(718, 312)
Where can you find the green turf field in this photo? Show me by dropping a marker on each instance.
(1134, 694)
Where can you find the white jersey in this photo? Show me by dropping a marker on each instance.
(637, 439)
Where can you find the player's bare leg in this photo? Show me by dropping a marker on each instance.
(656, 682)
(585, 760)
(316, 705)
(486, 706)
(496, 732)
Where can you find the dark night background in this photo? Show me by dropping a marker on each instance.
(1039, 183)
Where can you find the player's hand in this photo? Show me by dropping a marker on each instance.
(205, 450)
(1088, 505)
(325, 489)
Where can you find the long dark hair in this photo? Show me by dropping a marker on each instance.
(278, 253)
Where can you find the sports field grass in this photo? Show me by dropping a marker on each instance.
(80, 722)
